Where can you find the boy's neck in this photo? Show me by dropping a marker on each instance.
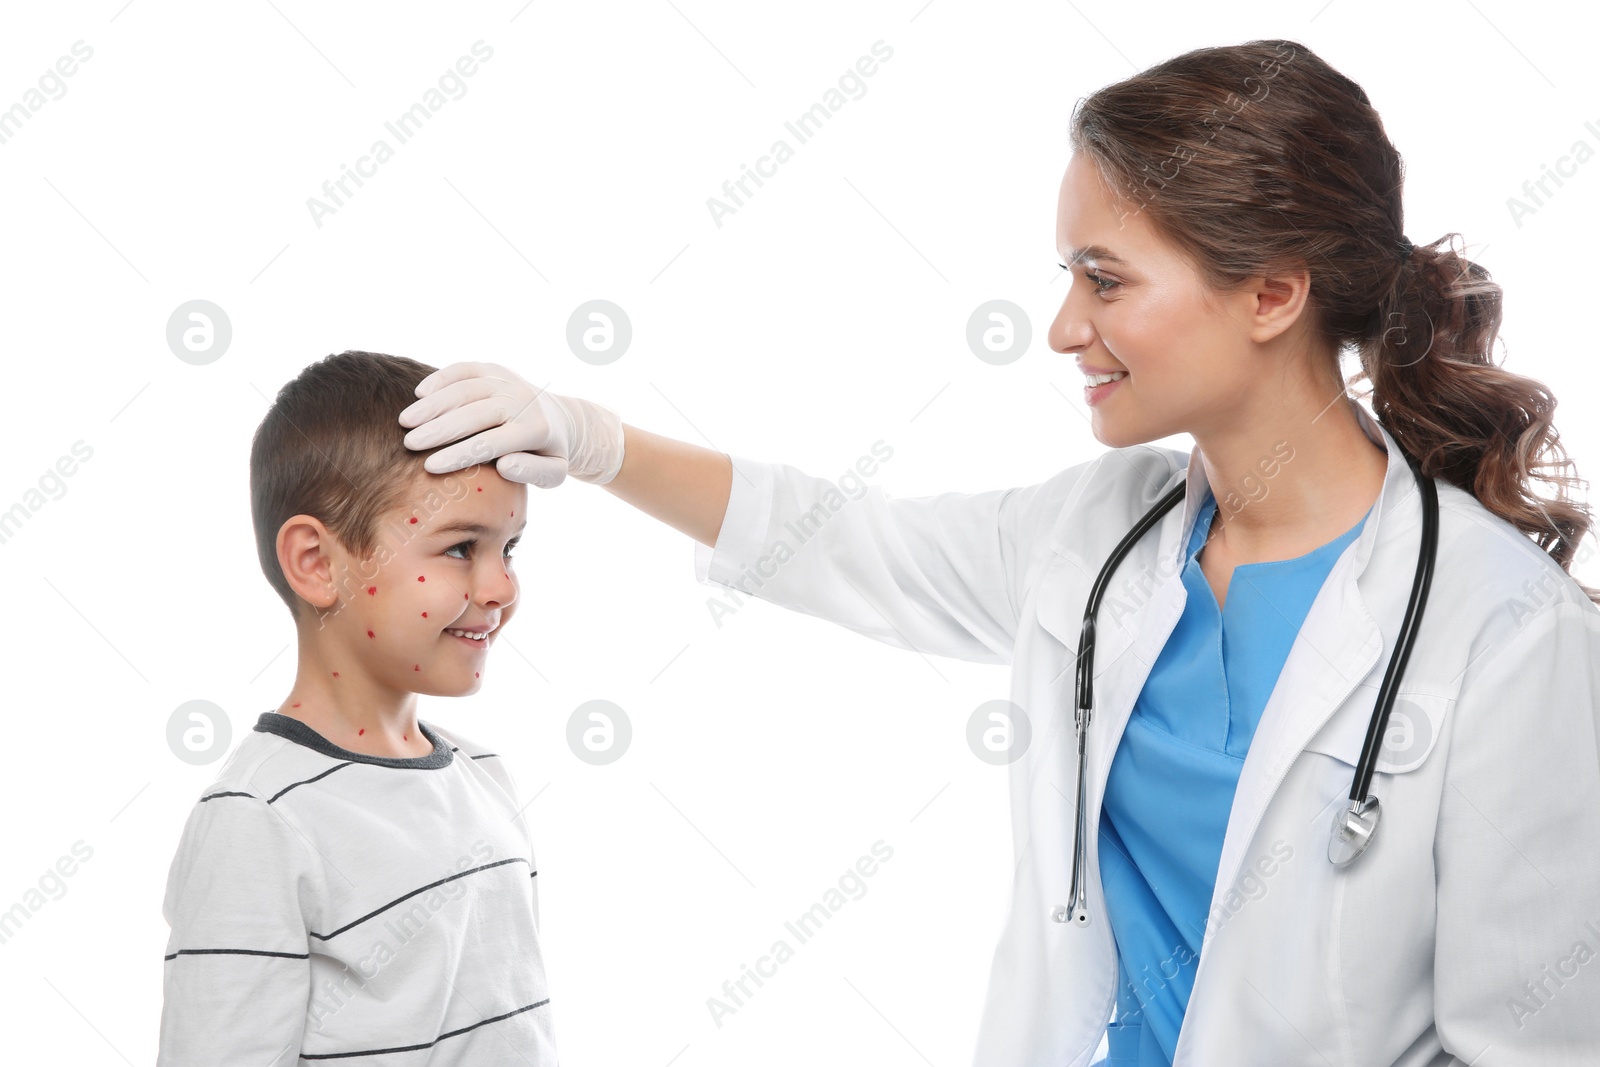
(346, 705)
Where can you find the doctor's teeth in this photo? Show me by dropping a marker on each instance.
(1101, 379)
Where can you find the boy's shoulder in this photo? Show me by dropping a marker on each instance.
(481, 755)
(265, 764)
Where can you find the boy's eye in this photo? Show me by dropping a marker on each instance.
(469, 544)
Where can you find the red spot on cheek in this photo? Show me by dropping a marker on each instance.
(405, 737)
(336, 674)
(475, 674)
(369, 633)
(372, 590)
(360, 732)
(296, 704)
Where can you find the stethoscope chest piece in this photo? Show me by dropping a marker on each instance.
(1353, 830)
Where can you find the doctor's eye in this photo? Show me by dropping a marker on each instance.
(1101, 283)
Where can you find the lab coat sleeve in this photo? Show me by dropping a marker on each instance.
(938, 574)
(1517, 949)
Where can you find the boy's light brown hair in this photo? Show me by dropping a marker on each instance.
(331, 446)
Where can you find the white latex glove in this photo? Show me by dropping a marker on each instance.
(538, 436)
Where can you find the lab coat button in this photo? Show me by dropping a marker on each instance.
(1059, 914)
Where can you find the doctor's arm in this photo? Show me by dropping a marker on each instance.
(1517, 949)
(684, 485)
(939, 574)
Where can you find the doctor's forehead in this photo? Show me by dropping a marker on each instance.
(1092, 224)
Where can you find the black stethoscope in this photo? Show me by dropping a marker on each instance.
(1354, 826)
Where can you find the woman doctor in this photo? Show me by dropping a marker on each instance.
(1232, 221)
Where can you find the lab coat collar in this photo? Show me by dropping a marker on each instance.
(1396, 483)
(1138, 613)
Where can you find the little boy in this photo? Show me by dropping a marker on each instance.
(358, 884)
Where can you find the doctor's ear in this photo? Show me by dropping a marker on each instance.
(1272, 303)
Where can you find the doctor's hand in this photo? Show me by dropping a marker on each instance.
(533, 435)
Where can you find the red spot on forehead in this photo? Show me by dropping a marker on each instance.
(372, 590)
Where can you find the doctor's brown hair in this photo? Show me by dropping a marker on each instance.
(332, 447)
(1261, 156)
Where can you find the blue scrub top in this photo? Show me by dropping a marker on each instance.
(1174, 774)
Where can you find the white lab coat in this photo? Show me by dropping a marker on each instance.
(1469, 932)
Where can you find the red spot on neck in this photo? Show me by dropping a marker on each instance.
(475, 674)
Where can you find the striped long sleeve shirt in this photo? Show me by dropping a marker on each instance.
(378, 911)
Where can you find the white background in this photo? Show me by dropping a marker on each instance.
(827, 313)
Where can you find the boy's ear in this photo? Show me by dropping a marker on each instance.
(305, 550)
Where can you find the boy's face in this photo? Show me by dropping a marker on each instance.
(441, 562)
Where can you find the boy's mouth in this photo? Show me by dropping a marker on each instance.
(477, 638)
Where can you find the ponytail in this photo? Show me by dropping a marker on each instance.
(1437, 389)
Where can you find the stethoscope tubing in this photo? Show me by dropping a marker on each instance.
(1362, 806)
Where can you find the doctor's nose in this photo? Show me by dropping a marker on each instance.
(1070, 332)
